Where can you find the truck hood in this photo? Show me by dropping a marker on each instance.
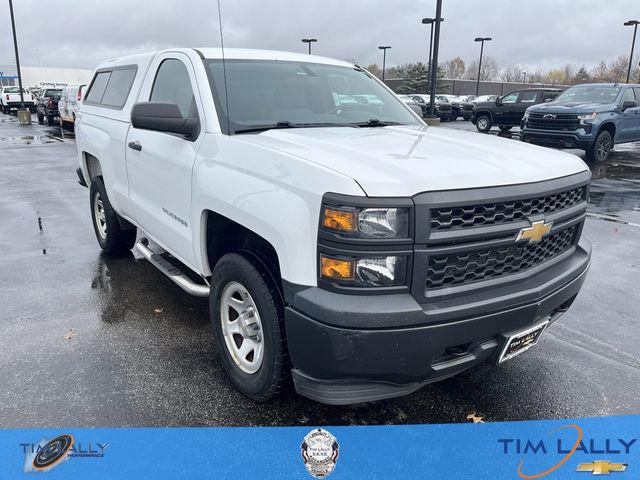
(406, 160)
(569, 107)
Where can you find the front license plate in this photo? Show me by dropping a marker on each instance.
(522, 341)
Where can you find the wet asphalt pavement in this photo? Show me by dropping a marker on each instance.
(87, 340)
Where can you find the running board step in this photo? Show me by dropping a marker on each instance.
(171, 271)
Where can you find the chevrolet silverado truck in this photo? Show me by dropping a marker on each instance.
(345, 246)
(10, 99)
(592, 117)
(507, 111)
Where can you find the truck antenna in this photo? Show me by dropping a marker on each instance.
(224, 70)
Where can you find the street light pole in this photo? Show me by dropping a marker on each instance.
(309, 41)
(480, 39)
(384, 59)
(430, 21)
(434, 58)
(15, 46)
(633, 43)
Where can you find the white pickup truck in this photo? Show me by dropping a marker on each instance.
(342, 244)
(10, 99)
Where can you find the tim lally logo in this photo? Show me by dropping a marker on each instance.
(320, 451)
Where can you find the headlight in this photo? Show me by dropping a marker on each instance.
(525, 117)
(386, 271)
(588, 116)
(367, 222)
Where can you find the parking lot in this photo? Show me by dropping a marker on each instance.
(97, 341)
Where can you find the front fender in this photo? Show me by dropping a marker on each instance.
(274, 194)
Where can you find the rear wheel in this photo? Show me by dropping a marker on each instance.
(483, 123)
(599, 151)
(111, 236)
(504, 128)
(247, 316)
(40, 118)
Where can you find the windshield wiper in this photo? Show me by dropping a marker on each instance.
(288, 124)
(374, 122)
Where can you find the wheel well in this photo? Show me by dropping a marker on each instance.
(484, 112)
(611, 128)
(93, 166)
(226, 236)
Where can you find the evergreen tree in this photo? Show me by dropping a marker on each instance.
(581, 76)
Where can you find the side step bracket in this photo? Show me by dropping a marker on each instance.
(171, 271)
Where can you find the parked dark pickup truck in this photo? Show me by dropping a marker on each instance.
(48, 105)
(507, 111)
(592, 117)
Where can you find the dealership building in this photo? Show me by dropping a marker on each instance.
(35, 76)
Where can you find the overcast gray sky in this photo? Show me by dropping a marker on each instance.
(537, 33)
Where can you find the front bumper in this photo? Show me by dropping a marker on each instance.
(354, 348)
(553, 138)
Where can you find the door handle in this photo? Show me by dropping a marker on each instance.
(135, 145)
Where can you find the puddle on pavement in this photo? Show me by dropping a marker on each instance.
(616, 183)
(29, 139)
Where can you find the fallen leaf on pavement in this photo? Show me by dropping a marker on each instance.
(158, 310)
(70, 335)
(475, 418)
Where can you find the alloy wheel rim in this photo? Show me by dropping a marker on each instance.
(241, 327)
(603, 148)
(99, 214)
(482, 123)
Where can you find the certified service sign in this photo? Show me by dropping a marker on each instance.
(320, 453)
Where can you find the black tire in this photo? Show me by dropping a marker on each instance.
(483, 123)
(252, 274)
(602, 146)
(113, 239)
(504, 128)
(51, 120)
(466, 118)
(40, 118)
(454, 115)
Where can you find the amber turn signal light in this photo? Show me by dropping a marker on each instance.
(336, 268)
(340, 220)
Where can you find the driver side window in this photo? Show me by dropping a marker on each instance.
(172, 85)
(628, 96)
(510, 98)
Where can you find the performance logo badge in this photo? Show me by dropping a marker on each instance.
(320, 451)
(50, 454)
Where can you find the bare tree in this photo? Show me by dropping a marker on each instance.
(374, 69)
(489, 69)
(618, 69)
(513, 73)
(600, 72)
(454, 68)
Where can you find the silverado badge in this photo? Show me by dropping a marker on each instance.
(535, 232)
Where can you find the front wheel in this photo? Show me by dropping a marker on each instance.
(483, 123)
(40, 118)
(113, 239)
(247, 316)
(599, 151)
(504, 128)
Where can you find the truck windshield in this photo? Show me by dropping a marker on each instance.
(264, 94)
(589, 94)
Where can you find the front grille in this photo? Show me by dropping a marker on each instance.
(561, 121)
(503, 212)
(473, 266)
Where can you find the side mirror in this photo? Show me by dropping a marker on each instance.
(163, 117)
(629, 104)
(498, 101)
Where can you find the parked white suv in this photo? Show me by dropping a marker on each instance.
(344, 244)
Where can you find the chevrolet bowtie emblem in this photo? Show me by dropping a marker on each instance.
(601, 467)
(535, 232)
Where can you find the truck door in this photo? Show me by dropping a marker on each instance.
(628, 128)
(160, 165)
(504, 111)
(526, 98)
